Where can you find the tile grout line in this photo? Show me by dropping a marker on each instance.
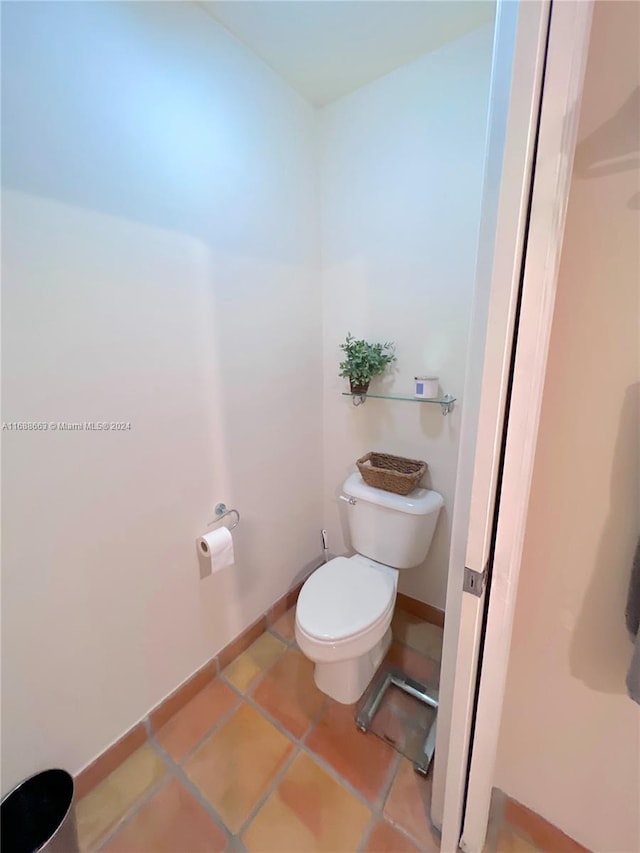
(171, 766)
(386, 789)
(152, 735)
(272, 630)
(405, 717)
(366, 835)
(297, 742)
(128, 816)
(376, 809)
(179, 773)
(428, 657)
(402, 831)
(259, 678)
(145, 722)
(221, 721)
(417, 652)
(378, 812)
(175, 769)
(270, 789)
(301, 743)
(252, 689)
(256, 707)
(236, 845)
(397, 826)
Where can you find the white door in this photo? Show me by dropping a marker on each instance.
(537, 75)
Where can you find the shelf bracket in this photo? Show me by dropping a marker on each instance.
(446, 404)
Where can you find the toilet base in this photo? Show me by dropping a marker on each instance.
(346, 680)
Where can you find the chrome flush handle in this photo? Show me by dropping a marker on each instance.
(347, 500)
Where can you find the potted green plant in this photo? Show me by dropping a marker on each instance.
(363, 361)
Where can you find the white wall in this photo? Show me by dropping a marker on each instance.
(159, 267)
(161, 244)
(570, 737)
(402, 163)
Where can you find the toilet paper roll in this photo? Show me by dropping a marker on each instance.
(217, 547)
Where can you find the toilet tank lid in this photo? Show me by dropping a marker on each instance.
(417, 502)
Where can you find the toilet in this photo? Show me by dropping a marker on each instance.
(345, 607)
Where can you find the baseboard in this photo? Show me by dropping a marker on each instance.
(544, 835)
(418, 608)
(109, 760)
(132, 740)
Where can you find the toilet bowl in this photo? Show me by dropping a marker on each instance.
(342, 623)
(345, 607)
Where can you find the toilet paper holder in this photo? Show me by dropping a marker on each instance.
(222, 511)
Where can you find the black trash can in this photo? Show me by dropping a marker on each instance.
(39, 815)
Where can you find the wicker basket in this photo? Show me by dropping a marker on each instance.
(391, 473)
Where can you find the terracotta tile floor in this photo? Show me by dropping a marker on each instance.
(260, 760)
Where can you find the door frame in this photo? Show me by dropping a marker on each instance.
(513, 325)
(520, 36)
(568, 47)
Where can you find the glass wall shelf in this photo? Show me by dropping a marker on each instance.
(446, 402)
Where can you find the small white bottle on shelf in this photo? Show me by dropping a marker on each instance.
(426, 387)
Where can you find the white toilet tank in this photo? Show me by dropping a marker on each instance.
(392, 529)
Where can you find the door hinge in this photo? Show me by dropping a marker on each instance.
(474, 581)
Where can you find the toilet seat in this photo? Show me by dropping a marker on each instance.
(345, 599)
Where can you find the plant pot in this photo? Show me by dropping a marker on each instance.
(358, 389)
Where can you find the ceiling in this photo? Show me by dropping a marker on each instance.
(327, 48)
